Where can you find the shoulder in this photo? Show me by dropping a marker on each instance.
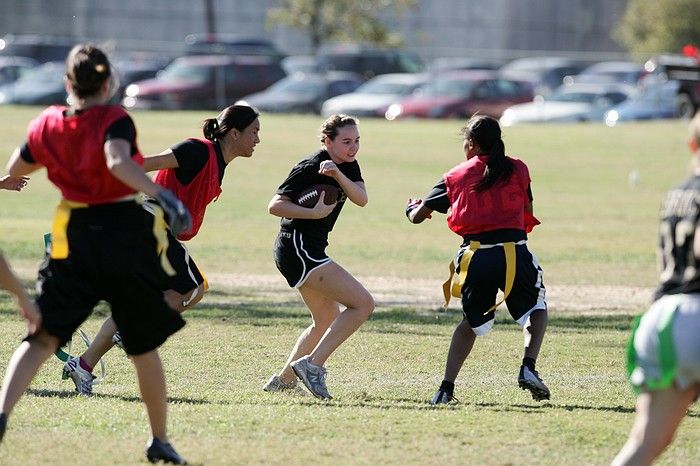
(519, 165)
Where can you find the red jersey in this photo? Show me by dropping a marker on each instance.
(72, 150)
(501, 206)
(199, 193)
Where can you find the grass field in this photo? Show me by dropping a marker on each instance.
(598, 233)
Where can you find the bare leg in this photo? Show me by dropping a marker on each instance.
(336, 284)
(533, 332)
(658, 415)
(461, 345)
(149, 371)
(101, 344)
(323, 312)
(25, 362)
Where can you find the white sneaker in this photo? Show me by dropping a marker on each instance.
(117, 340)
(81, 378)
(530, 380)
(276, 384)
(313, 376)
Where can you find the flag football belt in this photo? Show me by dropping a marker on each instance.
(61, 218)
(453, 285)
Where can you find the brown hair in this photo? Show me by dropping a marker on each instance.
(87, 69)
(485, 132)
(235, 116)
(330, 127)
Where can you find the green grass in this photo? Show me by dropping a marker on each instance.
(597, 230)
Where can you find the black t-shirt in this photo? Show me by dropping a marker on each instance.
(192, 155)
(123, 128)
(680, 214)
(305, 174)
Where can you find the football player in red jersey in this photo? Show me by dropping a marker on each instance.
(105, 246)
(489, 204)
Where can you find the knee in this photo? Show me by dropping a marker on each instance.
(366, 306)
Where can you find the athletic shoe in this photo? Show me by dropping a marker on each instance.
(160, 451)
(81, 378)
(117, 340)
(3, 425)
(313, 376)
(441, 397)
(276, 384)
(530, 380)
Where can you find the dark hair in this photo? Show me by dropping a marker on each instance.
(330, 127)
(485, 132)
(235, 116)
(87, 69)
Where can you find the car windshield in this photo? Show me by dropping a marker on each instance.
(43, 75)
(186, 72)
(569, 96)
(296, 86)
(447, 88)
(384, 87)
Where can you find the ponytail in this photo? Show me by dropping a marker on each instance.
(210, 128)
(485, 132)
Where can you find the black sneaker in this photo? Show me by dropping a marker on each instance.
(160, 451)
(530, 380)
(3, 424)
(443, 398)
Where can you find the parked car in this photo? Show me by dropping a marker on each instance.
(442, 64)
(374, 96)
(544, 73)
(13, 67)
(303, 93)
(42, 85)
(683, 69)
(300, 64)
(231, 44)
(653, 102)
(131, 70)
(204, 82)
(460, 94)
(570, 102)
(626, 72)
(40, 47)
(368, 61)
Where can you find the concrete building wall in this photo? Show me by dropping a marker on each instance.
(495, 28)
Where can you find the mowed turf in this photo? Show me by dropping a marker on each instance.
(598, 229)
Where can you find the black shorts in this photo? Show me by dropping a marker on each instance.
(486, 275)
(187, 275)
(296, 256)
(112, 257)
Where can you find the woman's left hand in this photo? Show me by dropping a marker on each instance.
(329, 168)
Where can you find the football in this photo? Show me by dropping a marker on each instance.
(309, 196)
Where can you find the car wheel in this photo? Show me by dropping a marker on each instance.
(684, 106)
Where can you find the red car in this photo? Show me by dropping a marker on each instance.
(460, 94)
(204, 82)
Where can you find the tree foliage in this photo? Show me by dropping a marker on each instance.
(656, 26)
(341, 20)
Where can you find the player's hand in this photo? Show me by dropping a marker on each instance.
(12, 183)
(321, 209)
(329, 168)
(177, 216)
(29, 312)
(413, 204)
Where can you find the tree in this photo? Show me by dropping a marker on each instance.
(341, 20)
(656, 26)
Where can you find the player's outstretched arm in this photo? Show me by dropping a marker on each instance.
(416, 211)
(162, 161)
(12, 183)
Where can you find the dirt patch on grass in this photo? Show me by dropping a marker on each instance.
(424, 293)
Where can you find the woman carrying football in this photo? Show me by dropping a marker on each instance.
(489, 201)
(300, 255)
(194, 170)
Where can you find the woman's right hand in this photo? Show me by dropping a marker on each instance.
(29, 312)
(321, 209)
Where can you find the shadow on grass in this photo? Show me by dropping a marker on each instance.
(45, 393)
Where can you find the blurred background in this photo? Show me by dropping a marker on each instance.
(524, 61)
